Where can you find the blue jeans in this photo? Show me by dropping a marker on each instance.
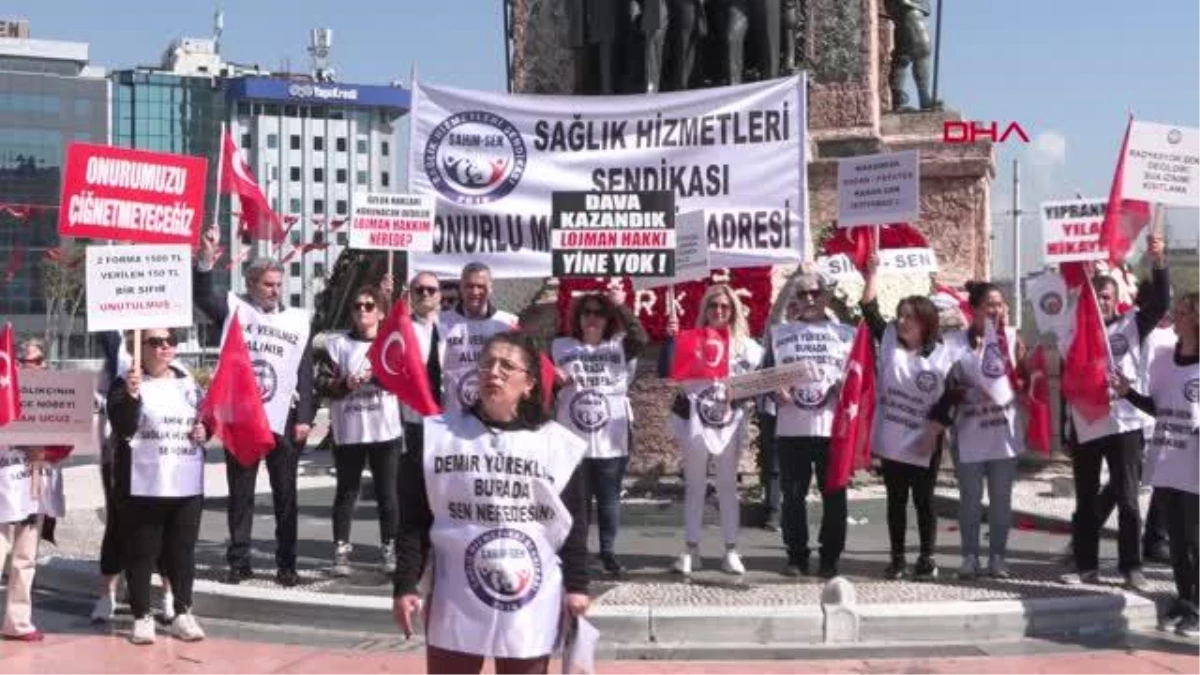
(1000, 475)
(603, 479)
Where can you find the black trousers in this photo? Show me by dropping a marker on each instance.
(799, 458)
(349, 461)
(283, 463)
(410, 460)
(159, 526)
(900, 480)
(1123, 454)
(111, 546)
(769, 472)
(1154, 533)
(1182, 513)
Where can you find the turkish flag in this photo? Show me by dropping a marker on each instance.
(1086, 363)
(1037, 403)
(951, 295)
(396, 362)
(850, 444)
(232, 409)
(855, 242)
(10, 384)
(257, 219)
(701, 354)
(1125, 218)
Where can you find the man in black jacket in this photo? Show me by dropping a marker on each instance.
(290, 409)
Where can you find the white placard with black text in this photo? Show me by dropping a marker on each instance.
(56, 409)
(139, 286)
(1162, 164)
(879, 189)
(390, 222)
(1071, 230)
(691, 253)
(892, 262)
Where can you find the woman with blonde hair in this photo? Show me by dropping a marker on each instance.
(708, 423)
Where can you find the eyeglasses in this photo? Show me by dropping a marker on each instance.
(158, 342)
(35, 361)
(425, 290)
(364, 306)
(593, 311)
(507, 367)
(815, 293)
(721, 306)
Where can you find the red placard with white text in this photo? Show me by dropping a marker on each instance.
(132, 195)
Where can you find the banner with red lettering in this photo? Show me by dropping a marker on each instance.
(132, 195)
(751, 284)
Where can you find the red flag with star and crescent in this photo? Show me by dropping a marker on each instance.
(701, 354)
(10, 386)
(396, 362)
(850, 445)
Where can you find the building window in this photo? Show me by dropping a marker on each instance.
(385, 148)
(289, 111)
(361, 146)
(246, 141)
(295, 141)
(294, 237)
(318, 175)
(294, 174)
(274, 173)
(342, 239)
(360, 177)
(384, 179)
(294, 206)
(342, 175)
(319, 269)
(341, 207)
(295, 300)
(341, 145)
(275, 204)
(272, 141)
(318, 206)
(318, 237)
(243, 109)
(296, 269)
(319, 143)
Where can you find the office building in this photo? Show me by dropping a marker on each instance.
(50, 97)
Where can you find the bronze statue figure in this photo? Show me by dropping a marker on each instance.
(760, 19)
(651, 20)
(789, 16)
(592, 34)
(686, 28)
(911, 47)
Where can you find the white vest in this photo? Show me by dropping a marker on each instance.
(595, 405)
(276, 343)
(825, 344)
(1127, 353)
(714, 421)
(498, 524)
(986, 430)
(17, 498)
(163, 460)
(424, 332)
(1174, 450)
(464, 340)
(909, 386)
(368, 414)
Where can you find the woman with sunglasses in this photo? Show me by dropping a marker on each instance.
(367, 429)
(914, 362)
(158, 470)
(31, 491)
(592, 367)
(1171, 380)
(499, 508)
(707, 423)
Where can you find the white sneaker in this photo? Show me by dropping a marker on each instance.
(168, 607)
(186, 628)
(683, 564)
(997, 568)
(388, 556)
(732, 564)
(969, 568)
(143, 631)
(341, 560)
(105, 609)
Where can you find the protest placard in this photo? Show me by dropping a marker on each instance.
(892, 262)
(1162, 164)
(879, 189)
(1071, 230)
(622, 234)
(56, 409)
(691, 253)
(390, 222)
(132, 195)
(770, 380)
(130, 287)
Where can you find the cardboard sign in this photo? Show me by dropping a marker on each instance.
(132, 287)
(56, 409)
(132, 195)
(892, 262)
(691, 253)
(770, 380)
(389, 222)
(613, 234)
(1162, 164)
(1071, 230)
(877, 189)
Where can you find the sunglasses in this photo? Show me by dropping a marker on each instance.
(593, 311)
(364, 306)
(808, 294)
(157, 342)
(721, 306)
(35, 361)
(425, 290)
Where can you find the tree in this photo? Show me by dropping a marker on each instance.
(63, 282)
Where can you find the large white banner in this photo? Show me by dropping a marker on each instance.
(493, 160)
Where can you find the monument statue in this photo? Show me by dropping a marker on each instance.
(686, 28)
(650, 19)
(789, 17)
(760, 20)
(911, 46)
(592, 35)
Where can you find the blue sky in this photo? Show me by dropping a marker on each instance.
(1066, 70)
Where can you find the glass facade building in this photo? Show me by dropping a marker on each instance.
(50, 97)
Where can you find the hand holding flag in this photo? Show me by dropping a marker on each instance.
(850, 445)
(395, 359)
(701, 354)
(238, 419)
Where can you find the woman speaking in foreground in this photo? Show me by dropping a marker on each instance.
(500, 505)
